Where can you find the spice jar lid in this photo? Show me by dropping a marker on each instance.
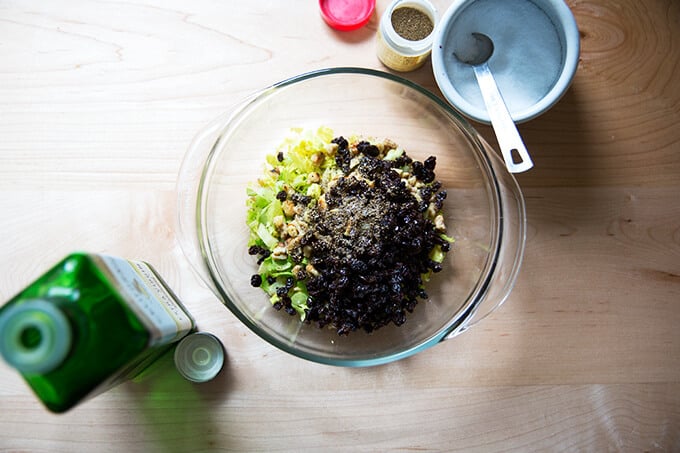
(346, 15)
(199, 357)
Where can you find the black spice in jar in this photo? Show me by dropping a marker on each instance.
(411, 23)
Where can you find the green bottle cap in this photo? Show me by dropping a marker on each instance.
(199, 357)
(35, 336)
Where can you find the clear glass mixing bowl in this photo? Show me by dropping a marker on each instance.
(484, 210)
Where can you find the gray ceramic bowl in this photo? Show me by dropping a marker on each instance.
(536, 53)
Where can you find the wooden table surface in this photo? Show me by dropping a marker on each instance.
(99, 101)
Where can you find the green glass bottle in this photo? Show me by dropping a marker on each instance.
(88, 324)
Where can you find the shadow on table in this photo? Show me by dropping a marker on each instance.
(568, 145)
(179, 415)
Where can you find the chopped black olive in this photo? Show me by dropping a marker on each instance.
(341, 142)
(367, 149)
(430, 163)
(301, 199)
(256, 280)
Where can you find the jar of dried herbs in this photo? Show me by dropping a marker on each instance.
(405, 34)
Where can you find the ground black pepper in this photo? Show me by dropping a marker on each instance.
(411, 23)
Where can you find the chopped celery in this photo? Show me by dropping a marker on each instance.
(299, 302)
(447, 238)
(264, 234)
(437, 254)
(274, 267)
(393, 154)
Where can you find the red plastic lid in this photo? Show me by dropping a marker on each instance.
(346, 15)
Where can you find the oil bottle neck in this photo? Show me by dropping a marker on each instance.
(35, 336)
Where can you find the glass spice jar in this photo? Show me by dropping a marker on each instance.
(405, 34)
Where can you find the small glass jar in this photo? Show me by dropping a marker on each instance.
(406, 47)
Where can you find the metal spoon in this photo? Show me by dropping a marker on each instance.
(509, 140)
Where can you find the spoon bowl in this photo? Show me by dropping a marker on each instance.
(477, 51)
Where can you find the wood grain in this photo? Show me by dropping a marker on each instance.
(99, 101)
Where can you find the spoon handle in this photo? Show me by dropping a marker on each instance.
(506, 131)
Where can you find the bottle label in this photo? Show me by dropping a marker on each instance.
(391, 58)
(147, 296)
